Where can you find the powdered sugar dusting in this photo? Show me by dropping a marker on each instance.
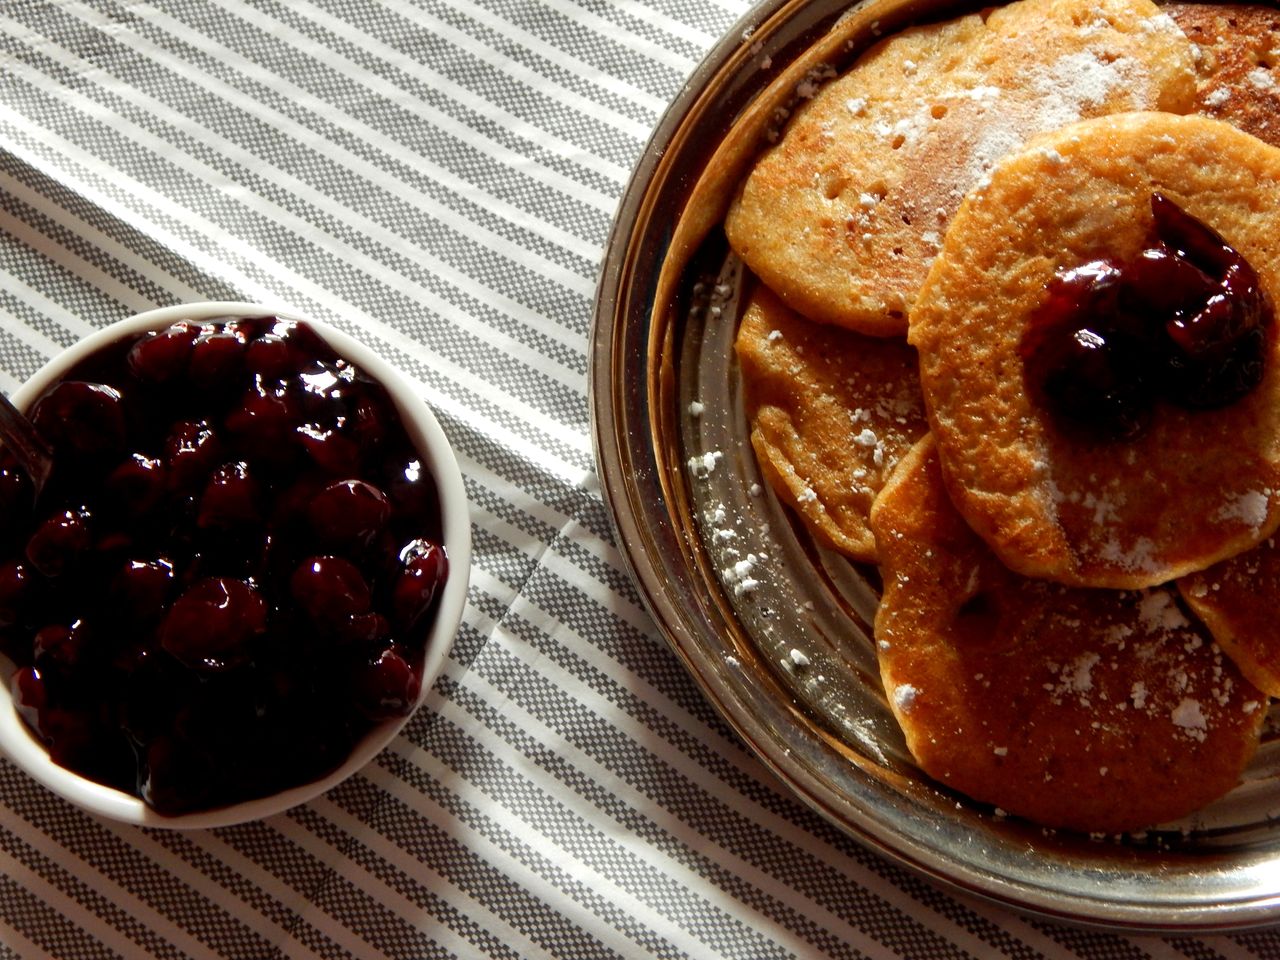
(1218, 97)
(740, 568)
(704, 464)
(1160, 614)
(1188, 715)
(1074, 82)
(995, 143)
(1248, 508)
(1138, 695)
(1053, 95)
(741, 575)
(1075, 679)
(1139, 557)
(1261, 78)
(904, 697)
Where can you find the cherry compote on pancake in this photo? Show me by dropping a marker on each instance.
(229, 578)
(1184, 322)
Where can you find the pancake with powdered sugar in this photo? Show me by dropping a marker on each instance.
(831, 412)
(1239, 601)
(1097, 710)
(844, 215)
(1238, 63)
(1197, 485)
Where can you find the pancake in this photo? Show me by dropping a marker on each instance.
(1193, 488)
(1239, 601)
(831, 413)
(1095, 710)
(1238, 67)
(844, 215)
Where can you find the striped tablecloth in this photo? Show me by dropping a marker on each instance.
(437, 177)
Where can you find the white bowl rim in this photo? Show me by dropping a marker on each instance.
(17, 741)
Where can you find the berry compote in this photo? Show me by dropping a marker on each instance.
(1184, 322)
(230, 576)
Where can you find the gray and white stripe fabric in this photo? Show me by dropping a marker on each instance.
(437, 177)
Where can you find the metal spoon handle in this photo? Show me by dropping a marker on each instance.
(19, 435)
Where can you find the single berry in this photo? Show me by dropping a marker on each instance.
(329, 589)
(67, 734)
(82, 419)
(387, 686)
(137, 486)
(212, 625)
(230, 499)
(142, 588)
(1218, 338)
(369, 421)
(307, 347)
(349, 512)
(1094, 381)
(58, 542)
(264, 422)
(192, 452)
(61, 644)
(424, 570)
(363, 628)
(269, 357)
(216, 359)
(163, 356)
(1167, 284)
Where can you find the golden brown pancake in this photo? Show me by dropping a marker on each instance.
(831, 413)
(844, 215)
(1196, 486)
(1238, 65)
(1239, 601)
(1097, 710)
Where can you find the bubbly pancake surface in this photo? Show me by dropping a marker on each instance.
(1238, 67)
(844, 215)
(1096, 710)
(831, 413)
(1196, 486)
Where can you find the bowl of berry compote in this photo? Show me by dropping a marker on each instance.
(242, 575)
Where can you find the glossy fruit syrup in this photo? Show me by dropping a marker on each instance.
(1184, 322)
(230, 576)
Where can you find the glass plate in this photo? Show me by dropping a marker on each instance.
(776, 629)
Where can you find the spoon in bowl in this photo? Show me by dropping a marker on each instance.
(30, 449)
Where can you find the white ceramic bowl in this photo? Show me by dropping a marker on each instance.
(17, 741)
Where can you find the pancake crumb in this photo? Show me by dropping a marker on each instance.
(741, 575)
(705, 464)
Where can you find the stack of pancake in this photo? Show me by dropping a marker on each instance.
(1075, 630)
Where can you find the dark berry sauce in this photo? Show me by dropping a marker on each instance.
(1185, 322)
(230, 576)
